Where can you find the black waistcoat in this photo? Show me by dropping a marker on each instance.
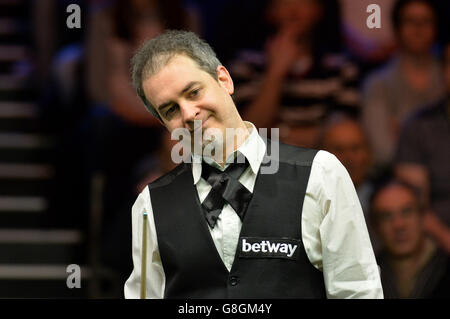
(192, 265)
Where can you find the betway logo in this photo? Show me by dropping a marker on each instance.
(276, 248)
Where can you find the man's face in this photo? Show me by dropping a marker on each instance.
(398, 220)
(417, 29)
(346, 140)
(182, 93)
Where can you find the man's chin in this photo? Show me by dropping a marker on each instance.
(208, 148)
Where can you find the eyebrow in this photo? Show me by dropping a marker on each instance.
(185, 89)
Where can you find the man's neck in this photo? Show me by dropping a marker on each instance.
(240, 135)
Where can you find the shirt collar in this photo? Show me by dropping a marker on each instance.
(253, 149)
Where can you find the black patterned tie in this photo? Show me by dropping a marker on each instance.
(225, 188)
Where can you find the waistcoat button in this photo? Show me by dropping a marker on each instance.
(234, 280)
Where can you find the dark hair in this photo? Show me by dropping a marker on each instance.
(401, 4)
(157, 52)
(388, 182)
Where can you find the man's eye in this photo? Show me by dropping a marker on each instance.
(194, 93)
(170, 110)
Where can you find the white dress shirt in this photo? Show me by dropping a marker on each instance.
(334, 232)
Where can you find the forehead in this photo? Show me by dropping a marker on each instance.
(345, 132)
(394, 196)
(176, 64)
(172, 78)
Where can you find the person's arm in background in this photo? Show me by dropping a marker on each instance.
(264, 108)
(123, 99)
(335, 233)
(377, 122)
(156, 279)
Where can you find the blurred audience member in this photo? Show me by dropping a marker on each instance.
(129, 130)
(134, 22)
(299, 77)
(423, 158)
(411, 264)
(371, 45)
(412, 79)
(344, 137)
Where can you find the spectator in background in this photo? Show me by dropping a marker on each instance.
(299, 77)
(124, 131)
(114, 28)
(134, 22)
(413, 78)
(411, 264)
(128, 131)
(423, 158)
(344, 137)
(374, 45)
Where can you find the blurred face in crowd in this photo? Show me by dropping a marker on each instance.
(298, 15)
(347, 142)
(181, 92)
(417, 28)
(398, 220)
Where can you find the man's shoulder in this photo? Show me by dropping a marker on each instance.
(295, 154)
(169, 177)
(321, 161)
(303, 155)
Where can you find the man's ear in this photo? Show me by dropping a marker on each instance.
(224, 79)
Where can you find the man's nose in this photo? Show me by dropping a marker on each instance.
(398, 221)
(189, 112)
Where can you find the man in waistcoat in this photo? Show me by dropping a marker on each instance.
(236, 222)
